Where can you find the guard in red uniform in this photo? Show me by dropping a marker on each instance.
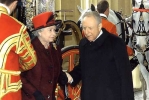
(103, 9)
(16, 52)
(108, 25)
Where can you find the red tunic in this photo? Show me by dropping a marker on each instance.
(16, 53)
(111, 28)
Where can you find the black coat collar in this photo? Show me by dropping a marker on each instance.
(99, 41)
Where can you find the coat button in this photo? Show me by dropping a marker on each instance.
(48, 97)
(50, 81)
(27, 94)
(48, 53)
(51, 66)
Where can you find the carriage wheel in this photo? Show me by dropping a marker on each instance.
(70, 55)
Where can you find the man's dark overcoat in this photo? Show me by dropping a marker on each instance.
(44, 76)
(104, 69)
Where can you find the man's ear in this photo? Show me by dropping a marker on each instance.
(39, 33)
(12, 6)
(99, 26)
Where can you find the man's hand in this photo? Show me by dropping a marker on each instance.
(70, 79)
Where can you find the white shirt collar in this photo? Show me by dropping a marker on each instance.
(5, 7)
(102, 15)
(101, 32)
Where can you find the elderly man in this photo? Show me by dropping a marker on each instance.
(104, 66)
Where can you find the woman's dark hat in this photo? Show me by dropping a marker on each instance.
(43, 20)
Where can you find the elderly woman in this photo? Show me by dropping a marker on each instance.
(40, 82)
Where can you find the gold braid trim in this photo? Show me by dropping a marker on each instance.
(5, 77)
(15, 73)
(30, 50)
(3, 10)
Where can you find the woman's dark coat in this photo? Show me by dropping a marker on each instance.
(104, 69)
(44, 76)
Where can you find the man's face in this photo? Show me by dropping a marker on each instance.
(90, 28)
